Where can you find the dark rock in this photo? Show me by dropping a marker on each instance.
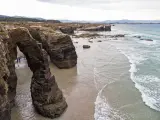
(147, 39)
(119, 35)
(88, 35)
(98, 28)
(5, 112)
(44, 89)
(137, 36)
(59, 46)
(86, 46)
(99, 41)
(67, 30)
(115, 36)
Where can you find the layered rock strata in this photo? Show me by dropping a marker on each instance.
(4, 74)
(47, 97)
(59, 46)
(98, 28)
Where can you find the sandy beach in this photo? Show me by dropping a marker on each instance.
(98, 88)
(76, 83)
(80, 84)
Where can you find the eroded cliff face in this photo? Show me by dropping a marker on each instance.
(4, 73)
(59, 46)
(47, 97)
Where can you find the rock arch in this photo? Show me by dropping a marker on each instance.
(47, 98)
(59, 46)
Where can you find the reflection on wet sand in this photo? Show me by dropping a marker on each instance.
(76, 83)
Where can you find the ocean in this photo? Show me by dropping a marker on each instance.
(136, 97)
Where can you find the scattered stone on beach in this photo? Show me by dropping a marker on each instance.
(86, 46)
(137, 36)
(99, 41)
(147, 40)
(98, 28)
(115, 36)
(119, 35)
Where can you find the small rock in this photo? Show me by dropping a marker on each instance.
(148, 39)
(137, 36)
(86, 46)
(75, 42)
(99, 41)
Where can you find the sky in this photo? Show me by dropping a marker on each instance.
(97, 10)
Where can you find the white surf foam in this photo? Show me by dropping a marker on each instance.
(147, 85)
(150, 95)
(103, 111)
(147, 42)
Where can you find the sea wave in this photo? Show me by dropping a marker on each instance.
(103, 111)
(148, 85)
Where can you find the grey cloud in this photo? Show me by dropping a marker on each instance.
(109, 4)
(80, 2)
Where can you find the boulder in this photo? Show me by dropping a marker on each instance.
(59, 46)
(86, 46)
(67, 30)
(99, 41)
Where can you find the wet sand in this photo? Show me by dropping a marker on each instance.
(76, 83)
(100, 68)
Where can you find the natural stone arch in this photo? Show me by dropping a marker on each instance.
(59, 46)
(46, 96)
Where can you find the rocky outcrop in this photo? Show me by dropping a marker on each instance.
(4, 73)
(47, 97)
(59, 46)
(150, 40)
(87, 35)
(98, 28)
(67, 30)
(115, 36)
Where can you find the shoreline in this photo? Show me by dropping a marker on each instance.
(98, 88)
